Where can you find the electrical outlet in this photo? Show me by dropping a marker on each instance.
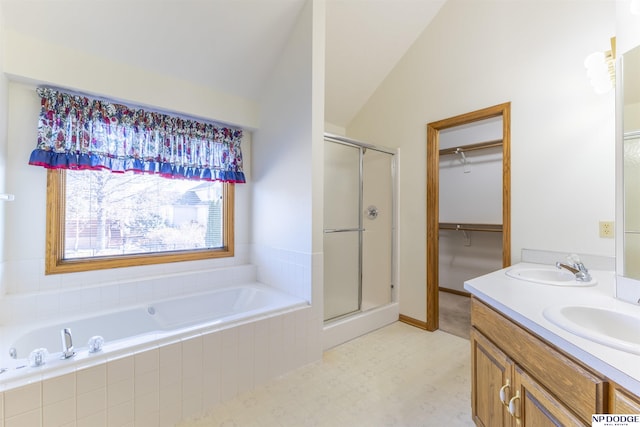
(606, 229)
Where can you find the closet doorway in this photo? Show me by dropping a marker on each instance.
(466, 214)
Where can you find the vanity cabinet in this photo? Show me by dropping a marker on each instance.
(492, 373)
(519, 380)
(623, 402)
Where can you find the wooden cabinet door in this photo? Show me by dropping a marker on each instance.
(534, 406)
(623, 402)
(491, 372)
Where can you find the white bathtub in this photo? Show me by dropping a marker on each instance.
(142, 326)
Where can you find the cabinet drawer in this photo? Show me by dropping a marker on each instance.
(578, 388)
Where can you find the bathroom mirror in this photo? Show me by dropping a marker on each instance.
(628, 218)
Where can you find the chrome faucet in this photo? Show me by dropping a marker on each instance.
(67, 343)
(576, 267)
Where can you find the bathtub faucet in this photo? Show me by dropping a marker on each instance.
(67, 343)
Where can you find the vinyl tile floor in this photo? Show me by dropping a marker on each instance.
(398, 375)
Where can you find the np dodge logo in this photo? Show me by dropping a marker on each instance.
(617, 420)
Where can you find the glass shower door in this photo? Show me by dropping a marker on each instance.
(631, 222)
(377, 240)
(342, 230)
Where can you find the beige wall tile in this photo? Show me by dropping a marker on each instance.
(192, 405)
(25, 419)
(192, 385)
(120, 369)
(229, 375)
(148, 419)
(261, 359)
(246, 356)
(120, 415)
(170, 372)
(192, 364)
(170, 414)
(229, 338)
(147, 407)
(210, 395)
(59, 389)
(91, 379)
(93, 402)
(170, 355)
(170, 400)
(170, 395)
(212, 355)
(60, 413)
(120, 392)
(147, 361)
(211, 369)
(147, 382)
(94, 420)
(192, 357)
(22, 399)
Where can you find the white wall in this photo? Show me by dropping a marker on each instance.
(477, 54)
(286, 185)
(3, 147)
(42, 61)
(628, 27)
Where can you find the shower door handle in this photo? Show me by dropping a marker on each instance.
(342, 230)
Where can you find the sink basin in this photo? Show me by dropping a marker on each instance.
(608, 327)
(547, 276)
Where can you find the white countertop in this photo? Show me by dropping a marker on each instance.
(525, 301)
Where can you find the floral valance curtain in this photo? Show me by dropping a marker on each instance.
(76, 132)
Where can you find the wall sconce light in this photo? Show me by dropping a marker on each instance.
(601, 69)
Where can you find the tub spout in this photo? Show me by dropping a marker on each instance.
(67, 343)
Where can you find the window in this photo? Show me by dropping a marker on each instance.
(130, 187)
(99, 219)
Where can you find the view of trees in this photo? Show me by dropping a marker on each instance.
(110, 214)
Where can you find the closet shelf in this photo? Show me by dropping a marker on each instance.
(470, 227)
(471, 147)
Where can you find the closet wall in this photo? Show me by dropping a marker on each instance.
(470, 202)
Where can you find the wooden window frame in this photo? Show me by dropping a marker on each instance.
(54, 256)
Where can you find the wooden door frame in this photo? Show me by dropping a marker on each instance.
(433, 183)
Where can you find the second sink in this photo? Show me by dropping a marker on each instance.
(608, 327)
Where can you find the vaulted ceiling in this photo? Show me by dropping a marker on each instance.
(231, 45)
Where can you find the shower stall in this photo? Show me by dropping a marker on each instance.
(359, 237)
(631, 223)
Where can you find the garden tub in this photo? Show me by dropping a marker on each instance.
(136, 328)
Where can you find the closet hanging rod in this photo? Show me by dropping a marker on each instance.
(471, 147)
(470, 227)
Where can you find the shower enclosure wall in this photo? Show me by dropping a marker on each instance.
(359, 214)
(631, 206)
